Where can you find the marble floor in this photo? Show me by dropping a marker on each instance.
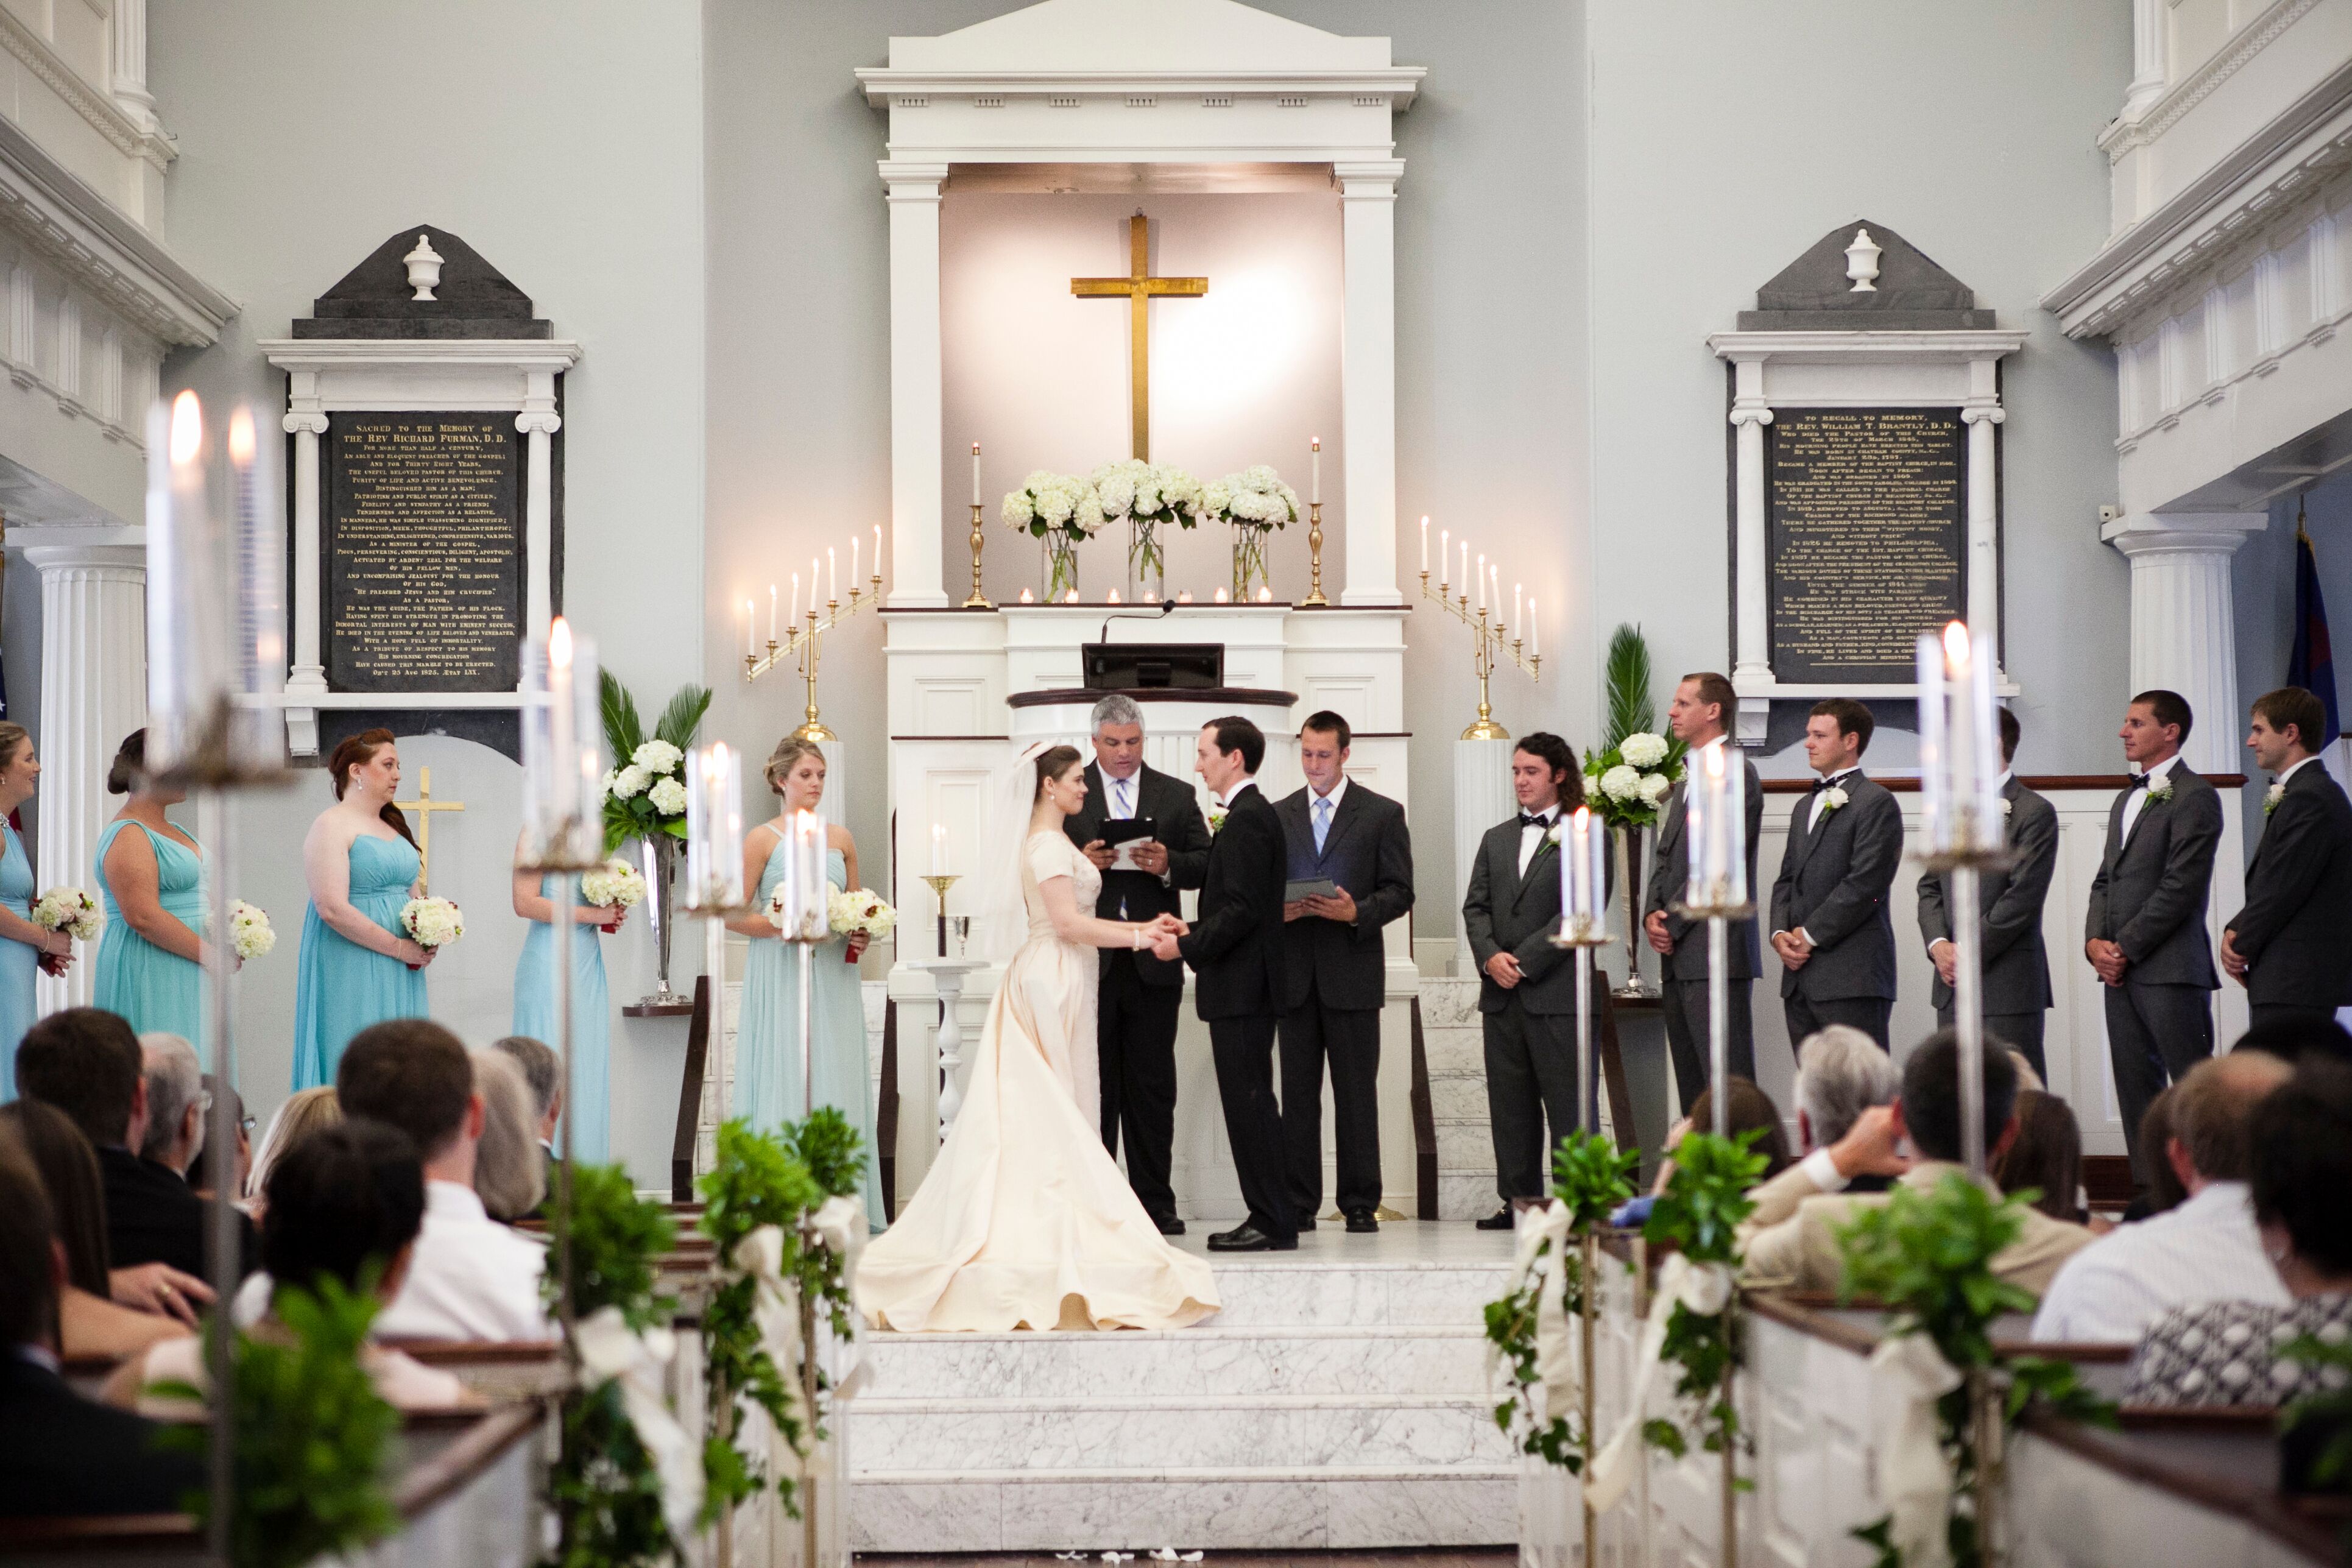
(1440, 1557)
(1450, 1242)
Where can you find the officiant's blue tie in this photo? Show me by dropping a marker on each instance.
(1322, 821)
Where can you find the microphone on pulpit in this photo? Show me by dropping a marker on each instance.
(1167, 607)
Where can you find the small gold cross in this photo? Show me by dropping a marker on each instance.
(425, 805)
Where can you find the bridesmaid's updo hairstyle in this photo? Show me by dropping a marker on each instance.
(357, 751)
(130, 764)
(13, 738)
(1051, 761)
(789, 751)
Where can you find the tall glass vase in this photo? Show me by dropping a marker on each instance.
(1147, 561)
(1058, 562)
(1249, 561)
(659, 857)
(1636, 985)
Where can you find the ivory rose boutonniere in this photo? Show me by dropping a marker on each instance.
(1217, 820)
(1556, 830)
(2005, 804)
(2272, 796)
(1834, 798)
(2160, 791)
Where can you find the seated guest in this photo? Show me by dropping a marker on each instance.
(2204, 1250)
(304, 1112)
(2046, 1157)
(1801, 1252)
(2164, 1192)
(61, 1454)
(89, 1322)
(346, 1205)
(1842, 1078)
(472, 1278)
(176, 1102)
(200, 1173)
(2226, 1352)
(87, 1063)
(543, 1070)
(510, 1169)
(1752, 1110)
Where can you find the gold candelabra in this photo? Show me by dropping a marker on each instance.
(1315, 558)
(804, 646)
(1492, 639)
(979, 601)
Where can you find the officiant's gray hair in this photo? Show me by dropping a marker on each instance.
(1114, 709)
(1840, 1073)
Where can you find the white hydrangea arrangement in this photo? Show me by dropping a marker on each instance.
(645, 794)
(1144, 496)
(250, 930)
(1064, 510)
(431, 922)
(70, 910)
(1255, 502)
(1626, 785)
(615, 884)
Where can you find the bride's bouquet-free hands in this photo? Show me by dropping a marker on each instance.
(1160, 936)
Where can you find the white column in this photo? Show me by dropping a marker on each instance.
(2150, 62)
(2183, 629)
(306, 677)
(1368, 377)
(93, 693)
(1982, 413)
(1482, 797)
(916, 493)
(1751, 669)
(539, 422)
(127, 83)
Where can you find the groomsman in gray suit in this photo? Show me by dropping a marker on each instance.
(2144, 930)
(1337, 830)
(1831, 926)
(2291, 946)
(2009, 901)
(1700, 715)
(1526, 988)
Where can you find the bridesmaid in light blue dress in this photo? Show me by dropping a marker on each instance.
(25, 948)
(150, 876)
(589, 1103)
(357, 968)
(767, 1038)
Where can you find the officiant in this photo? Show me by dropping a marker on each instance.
(1144, 831)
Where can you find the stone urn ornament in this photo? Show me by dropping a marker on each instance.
(424, 268)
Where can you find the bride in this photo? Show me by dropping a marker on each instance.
(1025, 1221)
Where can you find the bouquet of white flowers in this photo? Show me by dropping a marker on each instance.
(1625, 784)
(615, 884)
(431, 922)
(1144, 496)
(860, 911)
(1061, 509)
(250, 930)
(1255, 502)
(70, 910)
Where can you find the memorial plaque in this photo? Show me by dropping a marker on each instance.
(1868, 538)
(423, 553)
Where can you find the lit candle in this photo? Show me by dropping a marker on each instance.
(1466, 568)
(812, 579)
(714, 828)
(1183, 596)
(1535, 642)
(856, 544)
(257, 560)
(1222, 595)
(1424, 547)
(831, 577)
(1959, 735)
(1314, 487)
(1482, 582)
(771, 612)
(750, 630)
(1071, 597)
(1264, 595)
(1026, 598)
(795, 621)
(975, 496)
(878, 552)
(1445, 553)
(1495, 581)
(1515, 605)
(1114, 597)
(1934, 782)
(938, 848)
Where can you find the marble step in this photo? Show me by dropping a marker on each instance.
(1366, 1294)
(1350, 1507)
(1209, 1360)
(1421, 1431)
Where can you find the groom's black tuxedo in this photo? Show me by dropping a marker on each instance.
(1236, 948)
(1135, 1014)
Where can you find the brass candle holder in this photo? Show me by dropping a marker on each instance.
(979, 601)
(798, 638)
(1315, 599)
(940, 884)
(1492, 639)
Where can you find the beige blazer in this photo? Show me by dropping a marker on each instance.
(1801, 1252)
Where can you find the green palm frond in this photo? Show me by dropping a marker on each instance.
(683, 716)
(1630, 709)
(623, 732)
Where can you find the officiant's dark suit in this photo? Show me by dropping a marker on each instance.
(1337, 976)
(2296, 926)
(2148, 898)
(1834, 876)
(2016, 968)
(1683, 972)
(1236, 950)
(1135, 1021)
(1530, 1028)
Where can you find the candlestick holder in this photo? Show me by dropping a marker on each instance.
(797, 639)
(940, 884)
(1583, 932)
(979, 601)
(1315, 599)
(1490, 638)
(812, 728)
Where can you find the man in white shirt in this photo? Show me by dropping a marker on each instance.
(470, 1277)
(2207, 1249)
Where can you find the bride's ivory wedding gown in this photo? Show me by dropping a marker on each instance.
(1025, 1221)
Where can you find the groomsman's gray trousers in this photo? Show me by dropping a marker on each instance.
(1530, 1078)
(2021, 1030)
(2155, 1033)
(1684, 1003)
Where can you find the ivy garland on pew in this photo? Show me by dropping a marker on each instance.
(604, 1487)
(832, 1152)
(1590, 1179)
(313, 1437)
(1928, 1258)
(1698, 1214)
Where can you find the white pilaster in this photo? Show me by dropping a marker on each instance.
(1368, 376)
(93, 693)
(306, 680)
(1752, 660)
(127, 83)
(916, 496)
(537, 422)
(1482, 797)
(2183, 627)
(1983, 414)
(2149, 64)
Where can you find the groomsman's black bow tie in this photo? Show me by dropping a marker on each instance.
(1527, 821)
(1820, 784)
(2142, 781)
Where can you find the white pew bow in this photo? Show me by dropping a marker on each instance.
(1910, 1374)
(610, 1351)
(1555, 1350)
(1703, 1288)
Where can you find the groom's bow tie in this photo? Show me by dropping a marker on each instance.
(1820, 784)
(1527, 821)
(2142, 781)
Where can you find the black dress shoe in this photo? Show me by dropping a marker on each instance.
(1169, 1225)
(1499, 1220)
(1361, 1223)
(1249, 1238)
(1306, 1223)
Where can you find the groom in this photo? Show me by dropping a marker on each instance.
(1235, 947)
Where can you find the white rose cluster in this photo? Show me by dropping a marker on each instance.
(69, 909)
(431, 922)
(860, 909)
(1062, 503)
(249, 929)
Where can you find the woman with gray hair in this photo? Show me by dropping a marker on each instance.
(1840, 1073)
(510, 1177)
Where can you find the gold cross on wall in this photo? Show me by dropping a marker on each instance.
(425, 805)
(1138, 286)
